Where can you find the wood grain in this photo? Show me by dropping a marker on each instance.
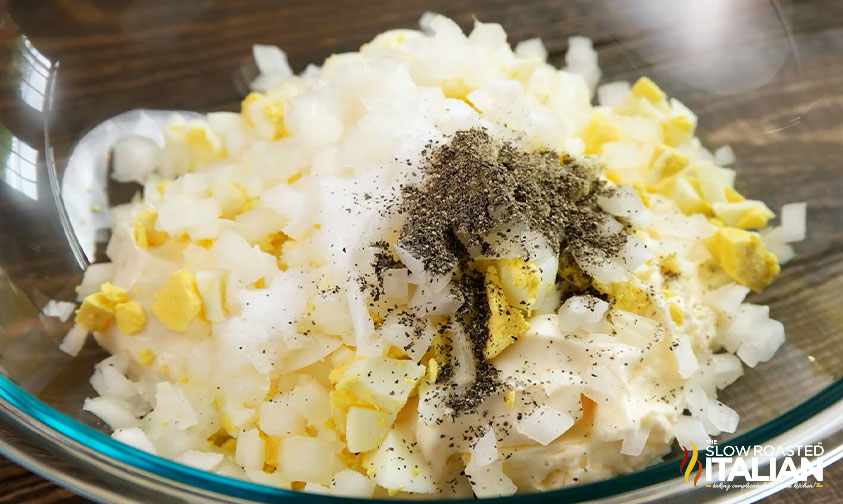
(787, 132)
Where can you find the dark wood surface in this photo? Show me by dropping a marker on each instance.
(121, 54)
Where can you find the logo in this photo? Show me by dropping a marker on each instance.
(689, 468)
(726, 467)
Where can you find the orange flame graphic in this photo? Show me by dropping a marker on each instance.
(694, 463)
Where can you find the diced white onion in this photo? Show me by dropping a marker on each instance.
(134, 158)
(634, 442)
(484, 451)
(205, 461)
(74, 340)
(114, 412)
(793, 216)
(134, 437)
(728, 298)
(544, 425)
(611, 93)
(721, 416)
(581, 311)
(62, 310)
(727, 368)
(250, 450)
(690, 430)
(271, 59)
(724, 156)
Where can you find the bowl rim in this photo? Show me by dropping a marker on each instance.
(818, 419)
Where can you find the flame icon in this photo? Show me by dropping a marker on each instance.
(693, 463)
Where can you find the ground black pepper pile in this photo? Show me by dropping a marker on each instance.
(476, 186)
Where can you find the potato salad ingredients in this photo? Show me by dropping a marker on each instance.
(430, 267)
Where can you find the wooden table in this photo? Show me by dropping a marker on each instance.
(116, 54)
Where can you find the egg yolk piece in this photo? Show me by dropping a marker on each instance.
(179, 303)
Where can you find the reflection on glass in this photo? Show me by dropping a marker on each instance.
(18, 164)
(34, 73)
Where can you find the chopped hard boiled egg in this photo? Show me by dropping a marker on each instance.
(179, 302)
(506, 322)
(95, 312)
(129, 316)
(382, 382)
(743, 257)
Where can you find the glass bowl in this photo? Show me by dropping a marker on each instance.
(764, 77)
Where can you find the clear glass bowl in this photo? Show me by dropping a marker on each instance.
(762, 76)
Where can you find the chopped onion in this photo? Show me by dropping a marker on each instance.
(724, 155)
(611, 94)
(250, 450)
(634, 441)
(406, 337)
(350, 483)
(134, 158)
(490, 481)
(793, 216)
(696, 400)
(271, 59)
(596, 264)
(634, 253)
(690, 430)
(205, 461)
(280, 418)
(171, 404)
(110, 382)
(728, 298)
(544, 425)
(116, 413)
(761, 344)
(773, 239)
(581, 311)
(531, 48)
(134, 437)
(414, 266)
(622, 202)
(686, 361)
(727, 368)
(485, 449)
(581, 59)
(95, 275)
(424, 302)
(721, 416)
(395, 284)
(61, 310)
(74, 340)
